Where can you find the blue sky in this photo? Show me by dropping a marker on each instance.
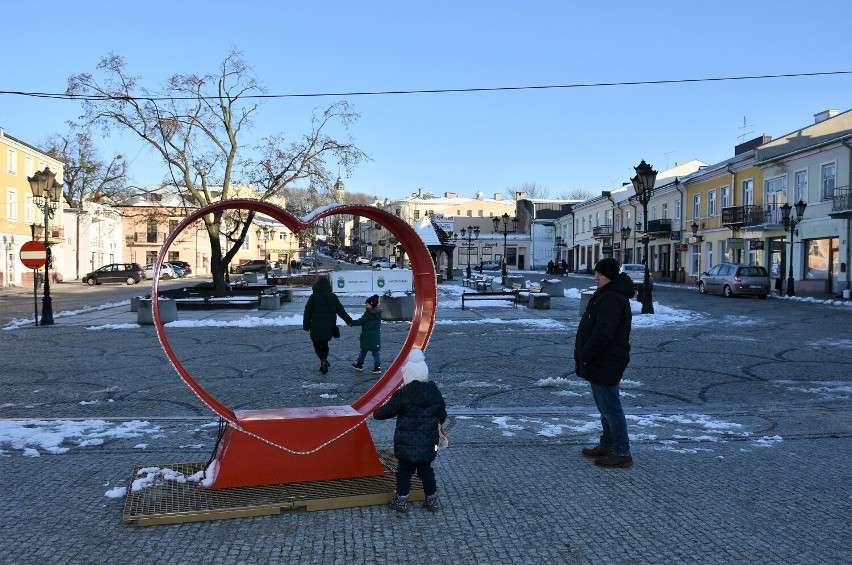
(563, 139)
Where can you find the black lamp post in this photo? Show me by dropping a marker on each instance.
(471, 233)
(504, 220)
(790, 224)
(643, 184)
(625, 235)
(46, 194)
(694, 227)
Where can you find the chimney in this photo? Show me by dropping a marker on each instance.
(825, 115)
(520, 195)
(498, 196)
(449, 195)
(420, 192)
(752, 143)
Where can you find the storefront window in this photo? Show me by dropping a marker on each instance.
(817, 259)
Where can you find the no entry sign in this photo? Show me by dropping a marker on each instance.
(33, 254)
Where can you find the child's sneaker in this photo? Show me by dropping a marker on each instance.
(357, 367)
(376, 370)
(398, 504)
(431, 504)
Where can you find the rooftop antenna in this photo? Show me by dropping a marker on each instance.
(667, 153)
(745, 126)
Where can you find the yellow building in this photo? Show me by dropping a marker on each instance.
(20, 218)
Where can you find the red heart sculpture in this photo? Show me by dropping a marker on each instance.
(285, 445)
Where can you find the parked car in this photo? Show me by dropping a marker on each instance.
(636, 272)
(166, 272)
(185, 267)
(130, 273)
(179, 272)
(735, 279)
(490, 266)
(382, 263)
(361, 260)
(253, 266)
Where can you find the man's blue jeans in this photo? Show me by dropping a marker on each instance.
(614, 436)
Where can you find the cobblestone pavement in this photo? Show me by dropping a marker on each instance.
(739, 416)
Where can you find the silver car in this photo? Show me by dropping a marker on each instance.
(735, 279)
(636, 272)
(166, 272)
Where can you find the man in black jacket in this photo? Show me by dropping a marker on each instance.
(601, 353)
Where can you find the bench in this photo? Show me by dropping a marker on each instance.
(207, 294)
(496, 295)
(484, 283)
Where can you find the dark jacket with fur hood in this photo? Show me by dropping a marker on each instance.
(602, 346)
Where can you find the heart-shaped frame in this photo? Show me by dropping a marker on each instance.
(323, 433)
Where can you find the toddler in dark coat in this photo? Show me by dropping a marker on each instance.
(371, 334)
(418, 407)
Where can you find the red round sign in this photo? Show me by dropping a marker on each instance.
(33, 254)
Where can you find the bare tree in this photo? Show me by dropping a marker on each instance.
(86, 177)
(530, 190)
(576, 194)
(196, 124)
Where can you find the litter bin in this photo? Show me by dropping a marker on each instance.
(585, 296)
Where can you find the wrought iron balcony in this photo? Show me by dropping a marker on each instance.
(602, 232)
(751, 216)
(660, 227)
(841, 201)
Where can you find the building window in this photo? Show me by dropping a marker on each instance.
(583, 224)
(28, 166)
(726, 197)
(665, 210)
(470, 213)
(12, 205)
(29, 209)
(653, 213)
(677, 210)
(696, 206)
(398, 212)
(748, 192)
(481, 214)
(151, 230)
(627, 218)
(416, 214)
(711, 203)
(800, 189)
(597, 219)
(12, 157)
(828, 175)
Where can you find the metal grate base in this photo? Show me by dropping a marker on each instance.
(172, 502)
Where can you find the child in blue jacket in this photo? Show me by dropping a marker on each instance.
(371, 334)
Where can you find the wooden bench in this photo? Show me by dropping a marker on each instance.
(496, 295)
(188, 295)
(484, 283)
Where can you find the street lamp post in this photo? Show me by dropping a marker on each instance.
(46, 195)
(790, 224)
(625, 235)
(694, 227)
(504, 220)
(643, 184)
(470, 233)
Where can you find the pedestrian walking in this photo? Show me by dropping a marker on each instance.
(320, 319)
(601, 354)
(371, 334)
(419, 408)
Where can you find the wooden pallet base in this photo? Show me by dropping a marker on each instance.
(174, 502)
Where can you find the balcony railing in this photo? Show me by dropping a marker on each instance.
(142, 238)
(660, 227)
(752, 215)
(841, 200)
(602, 232)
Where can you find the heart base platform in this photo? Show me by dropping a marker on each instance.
(179, 502)
(293, 445)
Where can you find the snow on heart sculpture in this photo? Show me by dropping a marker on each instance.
(290, 445)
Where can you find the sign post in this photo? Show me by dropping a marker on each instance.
(34, 256)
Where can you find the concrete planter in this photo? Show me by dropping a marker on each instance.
(145, 314)
(250, 277)
(553, 288)
(270, 302)
(134, 303)
(397, 308)
(508, 280)
(585, 296)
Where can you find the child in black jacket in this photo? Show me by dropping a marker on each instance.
(418, 407)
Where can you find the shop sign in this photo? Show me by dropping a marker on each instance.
(755, 245)
(735, 243)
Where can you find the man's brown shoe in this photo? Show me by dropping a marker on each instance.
(614, 461)
(596, 451)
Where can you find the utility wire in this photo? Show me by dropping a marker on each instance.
(64, 96)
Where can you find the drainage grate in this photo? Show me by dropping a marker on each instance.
(173, 502)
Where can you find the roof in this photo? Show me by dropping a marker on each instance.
(424, 228)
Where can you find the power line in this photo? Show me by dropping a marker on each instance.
(64, 96)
